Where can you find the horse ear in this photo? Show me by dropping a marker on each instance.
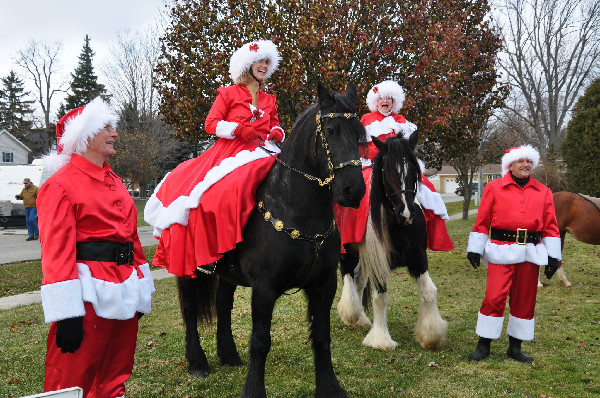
(351, 92)
(413, 139)
(325, 97)
(379, 144)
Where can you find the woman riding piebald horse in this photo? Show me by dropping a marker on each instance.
(200, 208)
(385, 100)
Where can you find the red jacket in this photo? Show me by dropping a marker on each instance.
(505, 205)
(83, 202)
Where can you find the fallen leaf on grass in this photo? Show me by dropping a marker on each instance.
(432, 364)
(13, 381)
(14, 329)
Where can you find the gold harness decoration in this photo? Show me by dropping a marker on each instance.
(325, 144)
(317, 239)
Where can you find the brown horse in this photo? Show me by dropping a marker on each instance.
(578, 215)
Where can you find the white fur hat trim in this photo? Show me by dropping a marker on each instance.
(243, 58)
(520, 152)
(81, 129)
(386, 89)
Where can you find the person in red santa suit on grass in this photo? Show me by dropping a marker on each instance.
(96, 281)
(384, 101)
(200, 209)
(524, 235)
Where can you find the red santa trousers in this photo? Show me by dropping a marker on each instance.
(519, 282)
(103, 362)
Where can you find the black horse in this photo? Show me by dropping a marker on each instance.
(290, 242)
(396, 236)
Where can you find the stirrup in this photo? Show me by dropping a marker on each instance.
(207, 269)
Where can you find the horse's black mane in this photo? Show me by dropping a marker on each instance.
(398, 152)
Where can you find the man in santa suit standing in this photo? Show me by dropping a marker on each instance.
(524, 235)
(96, 281)
(384, 101)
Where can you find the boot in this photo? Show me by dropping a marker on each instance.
(482, 350)
(514, 350)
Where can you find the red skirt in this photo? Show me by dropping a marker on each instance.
(207, 225)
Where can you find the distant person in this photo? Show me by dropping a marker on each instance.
(29, 196)
(519, 210)
(96, 281)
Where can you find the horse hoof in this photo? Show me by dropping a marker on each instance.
(232, 362)
(379, 341)
(198, 373)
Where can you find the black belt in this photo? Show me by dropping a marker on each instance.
(521, 236)
(119, 252)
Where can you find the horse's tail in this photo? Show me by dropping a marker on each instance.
(200, 295)
(375, 252)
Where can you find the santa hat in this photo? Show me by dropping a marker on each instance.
(386, 89)
(76, 129)
(243, 58)
(520, 152)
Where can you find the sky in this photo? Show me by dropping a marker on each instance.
(68, 21)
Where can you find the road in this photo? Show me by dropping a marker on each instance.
(14, 248)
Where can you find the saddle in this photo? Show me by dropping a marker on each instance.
(592, 200)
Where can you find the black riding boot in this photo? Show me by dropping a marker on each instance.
(482, 350)
(514, 350)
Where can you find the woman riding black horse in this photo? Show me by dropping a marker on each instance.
(289, 241)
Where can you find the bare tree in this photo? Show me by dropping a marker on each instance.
(130, 72)
(552, 50)
(40, 60)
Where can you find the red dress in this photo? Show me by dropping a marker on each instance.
(352, 223)
(200, 209)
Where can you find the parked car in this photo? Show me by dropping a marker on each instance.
(474, 189)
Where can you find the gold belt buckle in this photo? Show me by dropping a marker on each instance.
(519, 231)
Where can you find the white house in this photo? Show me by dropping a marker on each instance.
(14, 152)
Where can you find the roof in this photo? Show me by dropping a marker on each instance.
(4, 131)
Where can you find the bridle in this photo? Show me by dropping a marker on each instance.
(325, 144)
(391, 194)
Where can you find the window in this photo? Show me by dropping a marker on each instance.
(7, 157)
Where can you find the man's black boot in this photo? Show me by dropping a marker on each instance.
(482, 350)
(514, 350)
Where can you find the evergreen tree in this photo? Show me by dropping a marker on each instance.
(15, 108)
(84, 86)
(581, 148)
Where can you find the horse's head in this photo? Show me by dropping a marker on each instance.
(339, 130)
(397, 171)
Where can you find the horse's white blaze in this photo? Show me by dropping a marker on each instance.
(431, 328)
(379, 335)
(406, 212)
(350, 306)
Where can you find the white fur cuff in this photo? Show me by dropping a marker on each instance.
(522, 329)
(489, 327)
(226, 129)
(477, 242)
(553, 247)
(62, 300)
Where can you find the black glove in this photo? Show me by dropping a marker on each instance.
(474, 259)
(551, 268)
(69, 334)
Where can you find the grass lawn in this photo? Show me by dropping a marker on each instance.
(566, 348)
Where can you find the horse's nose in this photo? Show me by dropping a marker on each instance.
(353, 194)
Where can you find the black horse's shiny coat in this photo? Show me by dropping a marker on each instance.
(272, 262)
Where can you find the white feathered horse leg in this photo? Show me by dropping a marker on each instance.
(379, 335)
(374, 259)
(350, 307)
(431, 328)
